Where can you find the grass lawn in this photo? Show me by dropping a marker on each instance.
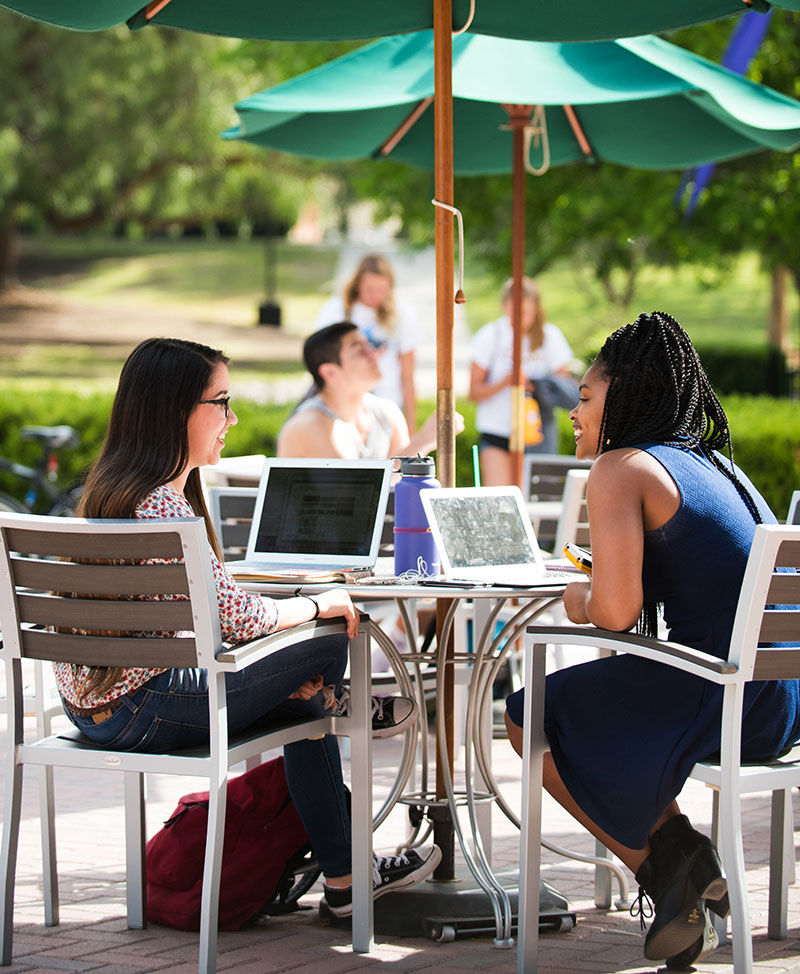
(219, 284)
(733, 312)
(223, 280)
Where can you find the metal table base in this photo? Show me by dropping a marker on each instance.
(459, 907)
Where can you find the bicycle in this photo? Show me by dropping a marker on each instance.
(43, 490)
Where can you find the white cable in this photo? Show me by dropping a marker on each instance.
(460, 220)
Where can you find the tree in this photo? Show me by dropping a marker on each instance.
(614, 219)
(109, 127)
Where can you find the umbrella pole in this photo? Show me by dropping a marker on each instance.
(519, 117)
(443, 832)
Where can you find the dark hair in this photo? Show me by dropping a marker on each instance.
(147, 443)
(324, 346)
(659, 393)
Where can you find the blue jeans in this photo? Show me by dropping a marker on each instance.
(171, 712)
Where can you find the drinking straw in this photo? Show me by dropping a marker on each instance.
(476, 466)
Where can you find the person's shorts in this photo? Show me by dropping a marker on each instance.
(499, 443)
(489, 439)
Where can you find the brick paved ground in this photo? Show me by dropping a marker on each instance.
(93, 935)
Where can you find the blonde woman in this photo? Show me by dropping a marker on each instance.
(546, 356)
(391, 327)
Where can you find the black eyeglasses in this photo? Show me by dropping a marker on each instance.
(225, 403)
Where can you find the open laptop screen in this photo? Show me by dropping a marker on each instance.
(480, 529)
(320, 511)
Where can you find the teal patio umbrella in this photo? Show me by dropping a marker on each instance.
(637, 102)
(573, 20)
(310, 19)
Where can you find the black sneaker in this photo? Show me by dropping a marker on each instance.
(390, 715)
(388, 873)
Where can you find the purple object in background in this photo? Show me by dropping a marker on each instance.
(414, 547)
(743, 44)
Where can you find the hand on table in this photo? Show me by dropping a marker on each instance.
(337, 603)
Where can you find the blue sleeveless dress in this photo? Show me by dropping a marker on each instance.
(624, 732)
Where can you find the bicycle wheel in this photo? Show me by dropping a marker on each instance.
(64, 504)
(11, 505)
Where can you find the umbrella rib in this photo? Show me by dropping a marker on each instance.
(154, 7)
(389, 144)
(577, 131)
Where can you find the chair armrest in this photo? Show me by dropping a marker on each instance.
(245, 654)
(677, 655)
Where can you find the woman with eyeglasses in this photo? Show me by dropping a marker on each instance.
(170, 416)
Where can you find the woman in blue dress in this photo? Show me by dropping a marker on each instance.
(661, 499)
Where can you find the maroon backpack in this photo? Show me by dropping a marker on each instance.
(263, 833)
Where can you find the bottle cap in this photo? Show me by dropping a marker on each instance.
(417, 466)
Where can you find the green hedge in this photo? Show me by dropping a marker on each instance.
(740, 369)
(745, 370)
(766, 435)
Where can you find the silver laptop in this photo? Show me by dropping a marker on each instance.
(484, 535)
(318, 515)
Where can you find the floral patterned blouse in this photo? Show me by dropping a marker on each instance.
(242, 616)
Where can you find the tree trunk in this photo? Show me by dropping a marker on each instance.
(778, 322)
(8, 251)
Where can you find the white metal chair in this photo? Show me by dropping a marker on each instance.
(752, 656)
(573, 522)
(104, 564)
(231, 510)
(244, 471)
(793, 517)
(41, 701)
(543, 478)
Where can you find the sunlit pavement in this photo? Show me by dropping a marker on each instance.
(93, 935)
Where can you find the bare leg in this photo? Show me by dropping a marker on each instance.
(496, 467)
(633, 858)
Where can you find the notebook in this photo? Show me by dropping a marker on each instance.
(484, 535)
(317, 518)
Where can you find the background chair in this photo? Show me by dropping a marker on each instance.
(244, 471)
(573, 521)
(113, 597)
(793, 517)
(771, 583)
(231, 510)
(543, 480)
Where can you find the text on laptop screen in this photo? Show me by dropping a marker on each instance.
(320, 511)
(482, 530)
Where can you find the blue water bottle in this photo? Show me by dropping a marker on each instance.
(414, 547)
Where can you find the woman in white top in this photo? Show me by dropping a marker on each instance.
(391, 327)
(545, 360)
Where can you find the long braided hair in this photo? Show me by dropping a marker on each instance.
(659, 393)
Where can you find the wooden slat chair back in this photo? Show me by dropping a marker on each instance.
(160, 613)
(231, 510)
(573, 524)
(386, 548)
(768, 612)
(544, 478)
